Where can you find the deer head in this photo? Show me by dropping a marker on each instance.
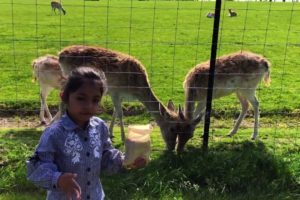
(176, 128)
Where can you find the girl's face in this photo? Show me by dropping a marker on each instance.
(83, 103)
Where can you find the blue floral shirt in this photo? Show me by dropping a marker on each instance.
(65, 147)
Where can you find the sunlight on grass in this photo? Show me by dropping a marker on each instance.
(233, 168)
(168, 37)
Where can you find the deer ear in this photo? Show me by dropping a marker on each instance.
(163, 112)
(180, 113)
(171, 105)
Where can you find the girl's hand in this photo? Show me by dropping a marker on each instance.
(68, 184)
(139, 162)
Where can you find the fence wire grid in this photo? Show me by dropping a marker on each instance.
(169, 38)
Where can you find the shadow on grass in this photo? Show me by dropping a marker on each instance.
(243, 169)
(16, 146)
(28, 136)
(227, 171)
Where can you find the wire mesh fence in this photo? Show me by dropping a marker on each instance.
(169, 38)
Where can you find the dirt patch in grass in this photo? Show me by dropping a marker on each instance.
(24, 116)
(19, 122)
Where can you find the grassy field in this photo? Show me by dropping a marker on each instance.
(169, 38)
(233, 168)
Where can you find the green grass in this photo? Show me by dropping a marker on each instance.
(168, 37)
(233, 168)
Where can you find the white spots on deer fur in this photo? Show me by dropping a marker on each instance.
(238, 73)
(126, 76)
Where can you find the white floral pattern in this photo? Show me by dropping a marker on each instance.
(73, 147)
(64, 143)
(95, 142)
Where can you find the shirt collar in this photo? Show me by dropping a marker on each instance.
(69, 124)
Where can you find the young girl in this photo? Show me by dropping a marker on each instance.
(73, 151)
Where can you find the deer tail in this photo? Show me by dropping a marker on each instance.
(267, 77)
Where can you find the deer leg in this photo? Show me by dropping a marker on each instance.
(245, 106)
(44, 92)
(199, 109)
(42, 109)
(61, 109)
(190, 100)
(111, 126)
(255, 104)
(119, 112)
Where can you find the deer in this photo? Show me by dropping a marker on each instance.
(127, 77)
(239, 73)
(232, 13)
(47, 72)
(57, 5)
(210, 15)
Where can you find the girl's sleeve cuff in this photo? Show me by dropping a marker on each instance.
(55, 180)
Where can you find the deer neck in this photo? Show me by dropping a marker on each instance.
(152, 103)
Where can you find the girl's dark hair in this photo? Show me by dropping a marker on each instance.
(79, 76)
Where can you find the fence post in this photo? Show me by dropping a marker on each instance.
(213, 56)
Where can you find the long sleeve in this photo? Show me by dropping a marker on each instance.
(41, 169)
(67, 148)
(112, 158)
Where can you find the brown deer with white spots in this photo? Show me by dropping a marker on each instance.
(57, 5)
(127, 77)
(47, 72)
(238, 73)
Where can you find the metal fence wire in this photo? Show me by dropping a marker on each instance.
(169, 39)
